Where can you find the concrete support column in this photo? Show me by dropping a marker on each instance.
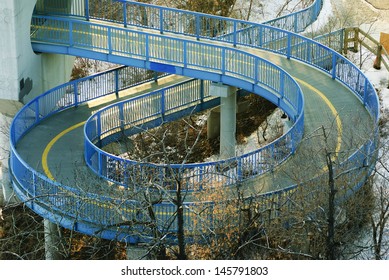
(52, 241)
(228, 109)
(7, 193)
(5, 188)
(137, 252)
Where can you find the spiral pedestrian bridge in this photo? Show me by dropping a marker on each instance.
(68, 177)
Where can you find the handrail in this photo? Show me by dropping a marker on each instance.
(73, 94)
(300, 20)
(165, 17)
(192, 58)
(266, 37)
(172, 104)
(200, 25)
(285, 43)
(184, 57)
(42, 194)
(31, 185)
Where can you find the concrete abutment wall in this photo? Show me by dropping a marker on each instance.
(23, 73)
(23, 76)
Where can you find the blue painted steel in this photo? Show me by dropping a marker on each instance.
(73, 207)
(200, 60)
(166, 19)
(94, 211)
(298, 21)
(86, 4)
(175, 102)
(64, 96)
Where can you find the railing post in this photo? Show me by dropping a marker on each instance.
(34, 183)
(86, 7)
(185, 57)
(223, 61)
(256, 72)
(98, 124)
(125, 14)
(200, 177)
(109, 40)
(309, 52)
(116, 83)
(289, 46)
(100, 164)
(121, 117)
(197, 27)
(202, 91)
(260, 35)
(75, 90)
(147, 47)
(235, 33)
(37, 111)
(161, 20)
(282, 82)
(295, 23)
(163, 105)
(365, 92)
(334, 65)
(71, 33)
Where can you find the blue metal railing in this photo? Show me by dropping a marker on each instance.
(98, 211)
(164, 19)
(77, 208)
(201, 25)
(298, 21)
(288, 44)
(174, 55)
(169, 104)
(74, 93)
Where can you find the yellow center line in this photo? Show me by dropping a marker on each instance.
(333, 111)
(104, 205)
(49, 146)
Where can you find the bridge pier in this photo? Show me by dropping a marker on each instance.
(137, 252)
(228, 109)
(8, 195)
(52, 240)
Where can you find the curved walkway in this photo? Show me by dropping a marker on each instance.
(328, 104)
(58, 140)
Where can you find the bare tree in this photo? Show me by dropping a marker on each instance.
(379, 218)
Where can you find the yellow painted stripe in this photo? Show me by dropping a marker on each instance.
(49, 146)
(47, 149)
(333, 111)
(104, 205)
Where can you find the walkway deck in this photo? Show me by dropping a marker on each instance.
(52, 144)
(328, 104)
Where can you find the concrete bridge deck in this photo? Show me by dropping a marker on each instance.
(76, 198)
(55, 147)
